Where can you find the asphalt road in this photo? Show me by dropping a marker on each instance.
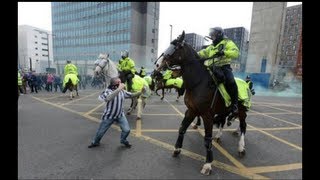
(54, 132)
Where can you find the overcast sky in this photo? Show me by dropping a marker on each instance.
(192, 17)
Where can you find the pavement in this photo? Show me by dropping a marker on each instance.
(54, 132)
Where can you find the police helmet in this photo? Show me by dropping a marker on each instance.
(216, 33)
(124, 54)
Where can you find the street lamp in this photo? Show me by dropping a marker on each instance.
(170, 33)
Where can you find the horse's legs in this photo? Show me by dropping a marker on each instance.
(221, 120)
(243, 127)
(77, 90)
(162, 93)
(208, 123)
(188, 118)
(131, 106)
(71, 94)
(195, 126)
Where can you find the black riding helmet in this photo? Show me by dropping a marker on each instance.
(216, 34)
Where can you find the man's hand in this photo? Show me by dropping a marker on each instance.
(121, 86)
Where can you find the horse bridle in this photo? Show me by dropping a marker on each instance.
(107, 63)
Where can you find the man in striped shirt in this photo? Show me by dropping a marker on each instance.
(114, 96)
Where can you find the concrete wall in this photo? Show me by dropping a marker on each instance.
(265, 36)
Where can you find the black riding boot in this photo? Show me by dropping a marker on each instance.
(129, 80)
(232, 90)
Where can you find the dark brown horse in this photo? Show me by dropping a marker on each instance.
(200, 97)
(160, 84)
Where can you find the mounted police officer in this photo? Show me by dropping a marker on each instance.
(70, 68)
(127, 67)
(223, 50)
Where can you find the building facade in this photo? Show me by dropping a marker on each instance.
(195, 40)
(34, 49)
(291, 43)
(240, 36)
(82, 30)
(266, 33)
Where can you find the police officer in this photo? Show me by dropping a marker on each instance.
(127, 66)
(70, 68)
(142, 72)
(250, 83)
(223, 50)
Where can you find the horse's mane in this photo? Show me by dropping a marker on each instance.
(112, 70)
(197, 66)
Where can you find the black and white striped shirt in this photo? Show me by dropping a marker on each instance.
(114, 99)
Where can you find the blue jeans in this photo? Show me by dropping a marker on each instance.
(106, 123)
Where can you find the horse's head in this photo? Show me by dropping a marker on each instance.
(156, 74)
(178, 53)
(100, 64)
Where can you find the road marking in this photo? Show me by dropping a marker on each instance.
(75, 100)
(54, 97)
(82, 104)
(253, 113)
(276, 104)
(138, 128)
(281, 109)
(279, 139)
(267, 169)
(87, 113)
(297, 125)
(56, 105)
(159, 114)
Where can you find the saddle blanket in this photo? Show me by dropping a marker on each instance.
(177, 82)
(244, 93)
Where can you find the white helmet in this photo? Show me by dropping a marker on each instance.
(124, 54)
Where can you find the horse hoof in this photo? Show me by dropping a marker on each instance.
(242, 154)
(217, 140)
(195, 127)
(206, 170)
(176, 153)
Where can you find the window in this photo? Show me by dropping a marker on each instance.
(36, 48)
(152, 40)
(152, 50)
(36, 54)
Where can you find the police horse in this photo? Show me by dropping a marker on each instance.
(171, 83)
(70, 83)
(107, 68)
(200, 92)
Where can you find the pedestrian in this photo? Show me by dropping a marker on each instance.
(114, 97)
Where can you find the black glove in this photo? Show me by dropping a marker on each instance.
(220, 53)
